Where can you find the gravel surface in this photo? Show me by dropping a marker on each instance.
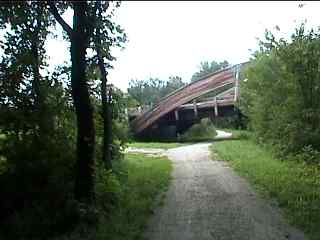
(222, 134)
(207, 200)
(153, 151)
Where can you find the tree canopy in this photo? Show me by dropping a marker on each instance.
(282, 94)
(207, 68)
(150, 91)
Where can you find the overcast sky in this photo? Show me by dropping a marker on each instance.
(172, 38)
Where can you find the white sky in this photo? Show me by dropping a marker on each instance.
(172, 38)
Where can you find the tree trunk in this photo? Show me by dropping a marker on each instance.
(84, 182)
(106, 114)
(108, 125)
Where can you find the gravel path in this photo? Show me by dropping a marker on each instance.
(151, 151)
(223, 135)
(207, 200)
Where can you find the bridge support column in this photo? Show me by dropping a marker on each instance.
(195, 108)
(176, 114)
(215, 107)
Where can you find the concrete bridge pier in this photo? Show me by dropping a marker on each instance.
(176, 116)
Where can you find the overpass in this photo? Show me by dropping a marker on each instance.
(211, 96)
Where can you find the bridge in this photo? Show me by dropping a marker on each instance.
(212, 96)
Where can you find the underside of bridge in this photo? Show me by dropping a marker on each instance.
(215, 97)
(167, 128)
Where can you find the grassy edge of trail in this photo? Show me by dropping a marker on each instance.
(139, 188)
(294, 185)
(148, 179)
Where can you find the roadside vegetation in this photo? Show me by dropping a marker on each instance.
(280, 154)
(146, 178)
(127, 198)
(58, 137)
(293, 184)
(281, 96)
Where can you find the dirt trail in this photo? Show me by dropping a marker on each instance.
(207, 200)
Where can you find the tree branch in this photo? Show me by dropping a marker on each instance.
(59, 19)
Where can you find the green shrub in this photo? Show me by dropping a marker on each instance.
(233, 122)
(309, 155)
(38, 185)
(202, 131)
(108, 189)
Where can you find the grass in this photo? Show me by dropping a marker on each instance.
(147, 178)
(139, 191)
(294, 185)
(164, 145)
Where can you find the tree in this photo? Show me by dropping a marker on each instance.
(79, 36)
(174, 83)
(25, 55)
(282, 94)
(37, 125)
(146, 92)
(150, 92)
(104, 40)
(36, 151)
(207, 68)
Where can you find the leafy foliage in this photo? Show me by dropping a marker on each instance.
(282, 94)
(207, 68)
(134, 189)
(38, 127)
(149, 92)
(120, 126)
(145, 178)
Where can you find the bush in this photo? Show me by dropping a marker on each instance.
(38, 188)
(202, 131)
(308, 155)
